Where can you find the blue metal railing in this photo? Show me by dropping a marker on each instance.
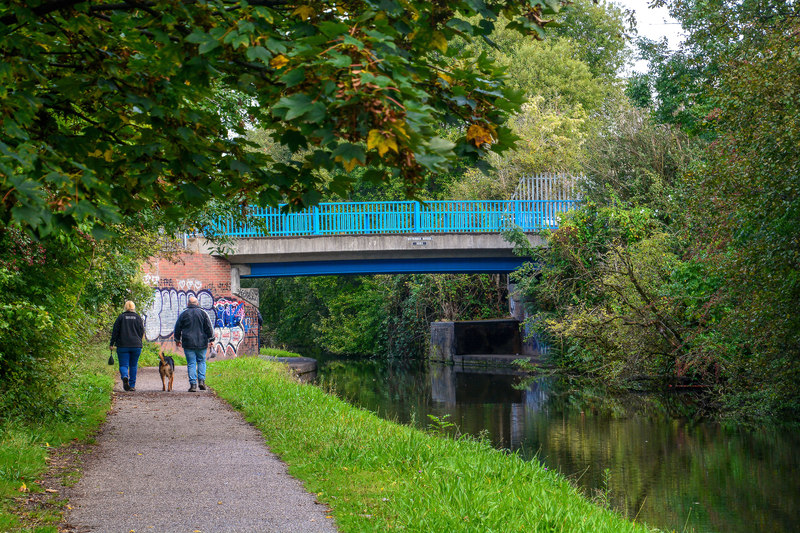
(450, 216)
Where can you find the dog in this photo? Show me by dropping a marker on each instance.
(166, 367)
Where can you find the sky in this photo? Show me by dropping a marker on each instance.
(653, 24)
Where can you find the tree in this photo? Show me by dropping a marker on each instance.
(552, 126)
(595, 33)
(550, 140)
(549, 70)
(112, 108)
(55, 293)
(678, 84)
(717, 31)
(635, 159)
(599, 32)
(744, 213)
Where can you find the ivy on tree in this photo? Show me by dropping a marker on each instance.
(112, 108)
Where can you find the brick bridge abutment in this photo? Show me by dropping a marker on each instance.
(215, 283)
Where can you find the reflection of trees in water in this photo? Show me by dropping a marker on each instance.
(396, 391)
(669, 468)
(659, 460)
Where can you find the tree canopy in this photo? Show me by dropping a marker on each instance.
(113, 108)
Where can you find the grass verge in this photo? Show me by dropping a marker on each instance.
(377, 475)
(275, 352)
(30, 450)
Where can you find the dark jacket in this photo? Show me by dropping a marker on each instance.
(193, 328)
(128, 330)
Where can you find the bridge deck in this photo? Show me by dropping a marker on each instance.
(386, 237)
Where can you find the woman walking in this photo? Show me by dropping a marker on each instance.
(127, 337)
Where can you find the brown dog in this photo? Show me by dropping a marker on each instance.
(166, 367)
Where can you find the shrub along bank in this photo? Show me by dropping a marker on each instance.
(377, 475)
(27, 442)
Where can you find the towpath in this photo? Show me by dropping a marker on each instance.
(174, 462)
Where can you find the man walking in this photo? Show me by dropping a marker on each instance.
(193, 330)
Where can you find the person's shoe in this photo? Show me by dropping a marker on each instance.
(192, 387)
(133, 389)
(125, 384)
(202, 384)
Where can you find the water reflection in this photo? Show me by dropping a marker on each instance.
(658, 464)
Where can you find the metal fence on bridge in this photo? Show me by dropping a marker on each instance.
(449, 216)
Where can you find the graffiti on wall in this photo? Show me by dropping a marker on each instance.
(227, 316)
(229, 313)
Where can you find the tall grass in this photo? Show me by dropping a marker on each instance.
(83, 398)
(379, 476)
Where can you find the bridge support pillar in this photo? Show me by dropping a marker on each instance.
(475, 341)
(518, 309)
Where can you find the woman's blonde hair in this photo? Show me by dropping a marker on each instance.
(130, 306)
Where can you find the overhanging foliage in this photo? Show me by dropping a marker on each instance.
(113, 107)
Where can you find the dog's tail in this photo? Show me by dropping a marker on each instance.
(161, 356)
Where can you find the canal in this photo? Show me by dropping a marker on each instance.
(648, 456)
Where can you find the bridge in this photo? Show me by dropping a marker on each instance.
(343, 238)
(385, 237)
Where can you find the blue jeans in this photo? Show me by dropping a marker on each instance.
(128, 363)
(196, 364)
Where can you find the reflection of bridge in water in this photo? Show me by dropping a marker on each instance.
(455, 385)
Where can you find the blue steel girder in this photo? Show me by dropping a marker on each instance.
(486, 265)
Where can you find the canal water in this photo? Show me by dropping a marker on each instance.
(648, 455)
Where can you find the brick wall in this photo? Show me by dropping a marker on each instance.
(208, 279)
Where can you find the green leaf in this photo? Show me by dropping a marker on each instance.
(317, 113)
(296, 76)
(350, 151)
(295, 106)
(192, 192)
(339, 60)
(294, 140)
(258, 53)
(207, 46)
(350, 40)
(331, 29)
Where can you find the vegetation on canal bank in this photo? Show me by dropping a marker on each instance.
(687, 269)
(276, 352)
(32, 446)
(378, 476)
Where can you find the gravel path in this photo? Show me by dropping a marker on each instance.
(171, 462)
